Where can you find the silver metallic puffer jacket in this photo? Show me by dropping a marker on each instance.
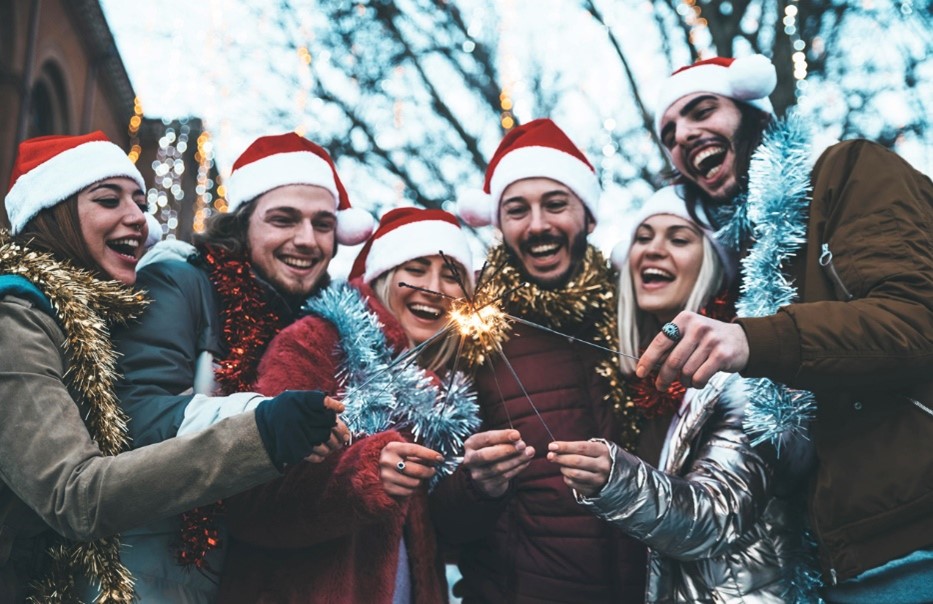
(715, 529)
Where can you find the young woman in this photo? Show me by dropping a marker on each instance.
(355, 528)
(76, 207)
(720, 516)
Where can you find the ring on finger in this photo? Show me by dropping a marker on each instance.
(400, 466)
(672, 332)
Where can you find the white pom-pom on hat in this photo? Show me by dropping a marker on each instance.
(752, 78)
(476, 207)
(354, 226)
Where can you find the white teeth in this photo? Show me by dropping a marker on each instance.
(128, 242)
(545, 248)
(704, 154)
(297, 262)
(429, 310)
(657, 271)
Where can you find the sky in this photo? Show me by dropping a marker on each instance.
(210, 59)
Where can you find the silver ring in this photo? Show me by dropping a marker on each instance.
(400, 466)
(672, 332)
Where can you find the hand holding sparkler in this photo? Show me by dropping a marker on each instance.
(404, 466)
(585, 465)
(493, 458)
(339, 434)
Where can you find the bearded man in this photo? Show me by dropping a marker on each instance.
(520, 535)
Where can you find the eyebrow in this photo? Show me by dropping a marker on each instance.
(113, 187)
(546, 195)
(295, 212)
(685, 110)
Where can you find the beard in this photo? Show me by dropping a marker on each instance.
(577, 252)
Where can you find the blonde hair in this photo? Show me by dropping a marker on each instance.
(635, 325)
(438, 356)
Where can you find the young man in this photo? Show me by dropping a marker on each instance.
(521, 536)
(854, 325)
(192, 358)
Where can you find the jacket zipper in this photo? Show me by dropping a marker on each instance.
(826, 261)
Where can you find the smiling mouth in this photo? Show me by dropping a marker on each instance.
(423, 311)
(299, 263)
(125, 247)
(708, 161)
(543, 250)
(656, 275)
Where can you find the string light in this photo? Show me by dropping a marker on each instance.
(167, 193)
(205, 204)
(133, 129)
(692, 14)
(798, 45)
(509, 68)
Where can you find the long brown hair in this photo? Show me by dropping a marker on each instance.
(57, 230)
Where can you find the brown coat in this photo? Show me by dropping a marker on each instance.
(865, 358)
(53, 475)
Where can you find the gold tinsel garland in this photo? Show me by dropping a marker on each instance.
(84, 307)
(589, 296)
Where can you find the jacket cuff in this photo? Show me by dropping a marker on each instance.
(773, 346)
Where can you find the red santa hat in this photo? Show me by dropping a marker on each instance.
(289, 159)
(538, 149)
(749, 79)
(50, 169)
(408, 233)
(670, 200)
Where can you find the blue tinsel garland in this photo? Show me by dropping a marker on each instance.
(378, 398)
(775, 213)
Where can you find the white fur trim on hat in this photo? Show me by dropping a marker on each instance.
(417, 240)
(476, 208)
(545, 162)
(65, 174)
(263, 175)
(748, 79)
(354, 226)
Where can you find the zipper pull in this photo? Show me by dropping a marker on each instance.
(826, 261)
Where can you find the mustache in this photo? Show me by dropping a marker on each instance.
(542, 239)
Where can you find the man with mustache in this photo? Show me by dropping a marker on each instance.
(520, 535)
(837, 298)
(192, 358)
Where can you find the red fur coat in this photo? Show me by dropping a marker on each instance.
(327, 532)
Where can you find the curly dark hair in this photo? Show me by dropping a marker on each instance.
(228, 231)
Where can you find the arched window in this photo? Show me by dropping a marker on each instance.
(48, 103)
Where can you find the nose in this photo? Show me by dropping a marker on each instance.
(539, 222)
(434, 280)
(134, 216)
(305, 235)
(686, 132)
(656, 247)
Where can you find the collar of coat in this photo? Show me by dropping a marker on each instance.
(84, 307)
(588, 299)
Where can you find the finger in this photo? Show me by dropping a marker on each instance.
(491, 456)
(671, 368)
(582, 463)
(333, 404)
(490, 438)
(581, 447)
(505, 467)
(654, 355)
(409, 450)
(342, 433)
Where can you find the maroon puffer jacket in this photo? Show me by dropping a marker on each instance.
(536, 544)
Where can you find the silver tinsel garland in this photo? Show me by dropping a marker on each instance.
(379, 397)
(775, 213)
